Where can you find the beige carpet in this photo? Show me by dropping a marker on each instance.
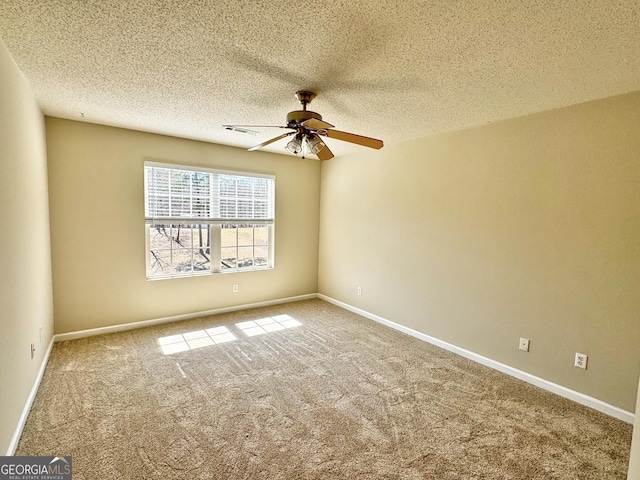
(306, 391)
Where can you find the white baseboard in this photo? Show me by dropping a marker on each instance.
(578, 397)
(175, 318)
(27, 406)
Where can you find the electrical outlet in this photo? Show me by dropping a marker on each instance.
(235, 288)
(359, 290)
(524, 344)
(581, 360)
(33, 350)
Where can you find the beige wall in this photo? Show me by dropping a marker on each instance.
(25, 269)
(97, 227)
(528, 227)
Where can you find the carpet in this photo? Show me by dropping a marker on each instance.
(304, 390)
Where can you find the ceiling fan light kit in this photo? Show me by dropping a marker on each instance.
(308, 127)
(295, 145)
(315, 143)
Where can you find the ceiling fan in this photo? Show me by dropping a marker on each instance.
(308, 128)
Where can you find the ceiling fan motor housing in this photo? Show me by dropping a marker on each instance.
(298, 116)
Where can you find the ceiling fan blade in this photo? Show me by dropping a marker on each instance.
(353, 138)
(315, 124)
(324, 153)
(275, 139)
(230, 127)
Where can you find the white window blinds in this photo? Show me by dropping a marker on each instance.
(184, 195)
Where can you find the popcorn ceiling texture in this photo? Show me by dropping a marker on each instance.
(394, 70)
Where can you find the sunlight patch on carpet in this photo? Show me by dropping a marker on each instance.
(196, 339)
(267, 324)
(183, 342)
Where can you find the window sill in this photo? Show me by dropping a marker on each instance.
(207, 274)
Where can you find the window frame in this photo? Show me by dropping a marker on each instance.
(215, 224)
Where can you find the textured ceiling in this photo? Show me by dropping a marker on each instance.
(393, 70)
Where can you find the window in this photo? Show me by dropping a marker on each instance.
(201, 221)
